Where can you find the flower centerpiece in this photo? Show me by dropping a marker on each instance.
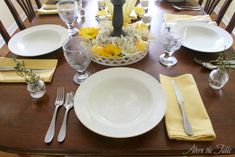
(113, 44)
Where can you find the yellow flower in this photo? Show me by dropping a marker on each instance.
(141, 45)
(102, 13)
(127, 20)
(109, 51)
(141, 26)
(88, 33)
(113, 51)
(99, 50)
(139, 11)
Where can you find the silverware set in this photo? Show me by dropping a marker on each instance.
(211, 66)
(185, 7)
(68, 104)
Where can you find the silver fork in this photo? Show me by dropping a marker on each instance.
(67, 106)
(59, 102)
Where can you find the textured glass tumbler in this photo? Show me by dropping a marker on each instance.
(68, 11)
(78, 57)
(172, 37)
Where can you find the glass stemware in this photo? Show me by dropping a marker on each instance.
(68, 11)
(144, 4)
(172, 38)
(78, 57)
(81, 10)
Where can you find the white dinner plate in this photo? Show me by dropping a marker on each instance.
(120, 102)
(38, 40)
(207, 38)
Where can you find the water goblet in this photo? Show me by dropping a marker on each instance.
(78, 57)
(144, 4)
(172, 38)
(68, 12)
(146, 19)
(101, 4)
(81, 10)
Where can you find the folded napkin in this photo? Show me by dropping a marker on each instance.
(47, 9)
(176, 18)
(10, 76)
(194, 108)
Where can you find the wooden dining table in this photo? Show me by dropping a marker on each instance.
(24, 121)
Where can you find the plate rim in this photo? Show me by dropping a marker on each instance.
(159, 117)
(217, 29)
(62, 31)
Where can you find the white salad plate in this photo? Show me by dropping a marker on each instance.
(208, 38)
(120, 102)
(38, 40)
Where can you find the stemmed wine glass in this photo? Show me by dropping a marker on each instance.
(144, 4)
(78, 57)
(68, 12)
(172, 37)
(81, 12)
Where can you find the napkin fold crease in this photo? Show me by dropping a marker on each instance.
(194, 108)
(12, 77)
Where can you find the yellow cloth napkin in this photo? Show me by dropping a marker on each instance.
(11, 76)
(194, 108)
(176, 18)
(47, 9)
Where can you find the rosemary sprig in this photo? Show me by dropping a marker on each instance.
(223, 62)
(28, 75)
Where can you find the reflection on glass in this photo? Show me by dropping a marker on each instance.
(68, 11)
(78, 57)
(172, 38)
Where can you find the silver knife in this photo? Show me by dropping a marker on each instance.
(8, 68)
(187, 125)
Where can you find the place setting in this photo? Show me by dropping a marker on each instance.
(201, 32)
(120, 78)
(47, 38)
(139, 102)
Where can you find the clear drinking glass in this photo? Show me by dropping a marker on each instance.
(36, 89)
(144, 4)
(78, 57)
(68, 11)
(218, 78)
(81, 10)
(172, 38)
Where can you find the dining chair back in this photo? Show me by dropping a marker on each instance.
(200, 2)
(229, 28)
(38, 3)
(4, 33)
(223, 10)
(210, 6)
(27, 7)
